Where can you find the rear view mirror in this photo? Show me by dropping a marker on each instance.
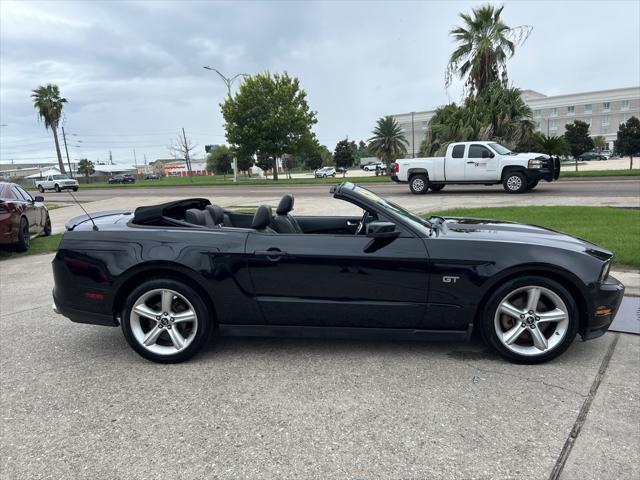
(380, 230)
(39, 199)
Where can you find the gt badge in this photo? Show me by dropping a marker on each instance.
(450, 279)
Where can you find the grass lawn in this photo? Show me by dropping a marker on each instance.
(601, 173)
(38, 245)
(616, 229)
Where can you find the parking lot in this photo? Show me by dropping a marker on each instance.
(77, 402)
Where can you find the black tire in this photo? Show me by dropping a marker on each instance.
(57, 188)
(75, 189)
(202, 330)
(487, 319)
(419, 184)
(47, 227)
(531, 185)
(515, 182)
(437, 187)
(40, 189)
(24, 238)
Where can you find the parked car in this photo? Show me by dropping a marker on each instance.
(341, 170)
(170, 274)
(151, 176)
(607, 154)
(586, 156)
(124, 178)
(370, 167)
(325, 172)
(57, 182)
(22, 217)
(480, 163)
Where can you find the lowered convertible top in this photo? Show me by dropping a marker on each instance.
(175, 210)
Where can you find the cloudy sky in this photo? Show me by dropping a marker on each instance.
(132, 71)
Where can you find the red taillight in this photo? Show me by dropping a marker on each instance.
(396, 167)
(94, 295)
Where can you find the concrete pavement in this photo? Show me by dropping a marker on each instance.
(77, 402)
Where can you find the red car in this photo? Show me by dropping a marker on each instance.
(22, 217)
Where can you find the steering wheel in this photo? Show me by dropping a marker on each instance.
(363, 222)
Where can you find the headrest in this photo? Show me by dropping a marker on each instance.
(217, 214)
(195, 216)
(285, 205)
(262, 218)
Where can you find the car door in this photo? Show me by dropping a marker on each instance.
(339, 280)
(481, 164)
(454, 164)
(36, 209)
(27, 208)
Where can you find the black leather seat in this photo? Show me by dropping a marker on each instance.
(283, 222)
(198, 217)
(218, 216)
(262, 219)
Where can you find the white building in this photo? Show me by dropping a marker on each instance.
(603, 110)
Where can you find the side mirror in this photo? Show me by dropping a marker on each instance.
(491, 155)
(39, 199)
(382, 230)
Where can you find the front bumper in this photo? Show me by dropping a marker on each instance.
(606, 302)
(540, 174)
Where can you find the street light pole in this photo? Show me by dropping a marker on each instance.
(67, 150)
(228, 82)
(413, 137)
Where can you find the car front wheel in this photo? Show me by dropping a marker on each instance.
(530, 320)
(166, 321)
(57, 188)
(419, 184)
(515, 182)
(24, 238)
(47, 227)
(40, 189)
(75, 189)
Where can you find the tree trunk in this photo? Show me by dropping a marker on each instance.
(55, 138)
(275, 168)
(630, 162)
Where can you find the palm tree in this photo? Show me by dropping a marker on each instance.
(388, 142)
(599, 143)
(48, 103)
(551, 145)
(485, 44)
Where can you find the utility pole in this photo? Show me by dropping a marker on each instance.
(64, 138)
(110, 158)
(186, 155)
(413, 137)
(135, 159)
(228, 82)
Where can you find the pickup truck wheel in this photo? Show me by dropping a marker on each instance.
(57, 188)
(515, 182)
(40, 189)
(166, 321)
(75, 189)
(531, 185)
(530, 319)
(436, 188)
(419, 184)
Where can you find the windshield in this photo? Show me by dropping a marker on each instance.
(500, 149)
(417, 222)
(60, 177)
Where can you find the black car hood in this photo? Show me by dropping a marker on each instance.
(495, 230)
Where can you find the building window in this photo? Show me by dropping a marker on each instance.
(537, 113)
(553, 124)
(588, 108)
(605, 121)
(554, 112)
(606, 106)
(625, 105)
(571, 110)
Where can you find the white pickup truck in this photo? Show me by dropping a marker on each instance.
(57, 182)
(482, 163)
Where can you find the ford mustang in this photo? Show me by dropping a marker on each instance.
(170, 275)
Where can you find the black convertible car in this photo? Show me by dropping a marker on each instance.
(171, 274)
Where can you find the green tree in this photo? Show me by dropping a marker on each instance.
(219, 160)
(388, 142)
(343, 154)
(599, 143)
(628, 139)
(269, 116)
(86, 168)
(48, 102)
(497, 114)
(484, 44)
(551, 145)
(578, 139)
(314, 160)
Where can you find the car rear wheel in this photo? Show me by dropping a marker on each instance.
(515, 182)
(419, 184)
(40, 189)
(166, 321)
(24, 239)
(530, 320)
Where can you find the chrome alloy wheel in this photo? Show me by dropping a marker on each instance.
(514, 183)
(531, 320)
(163, 321)
(419, 184)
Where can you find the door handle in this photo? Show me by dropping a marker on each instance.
(352, 224)
(470, 163)
(272, 254)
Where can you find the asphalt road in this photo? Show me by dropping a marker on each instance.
(77, 402)
(619, 187)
